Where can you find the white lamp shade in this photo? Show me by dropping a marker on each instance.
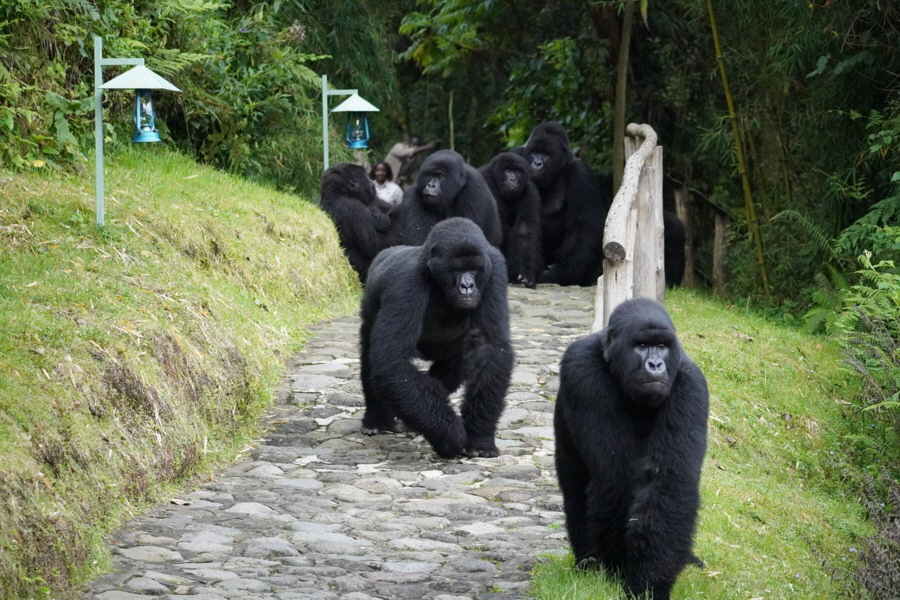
(355, 103)
(140, 78)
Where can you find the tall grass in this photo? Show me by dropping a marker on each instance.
(142, 353)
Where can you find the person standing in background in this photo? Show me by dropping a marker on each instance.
(401, 158)
(385, 188)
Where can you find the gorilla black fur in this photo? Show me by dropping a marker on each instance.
(630, 423)
(444, 301)
(573, 208)
(674, 238)
(348, 197)
(519, 205)
(447, 187)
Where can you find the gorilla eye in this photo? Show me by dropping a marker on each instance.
(642, 346)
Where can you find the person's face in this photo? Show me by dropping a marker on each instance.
(380, 174)
(414, 141)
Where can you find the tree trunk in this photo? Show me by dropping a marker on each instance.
(621, 89)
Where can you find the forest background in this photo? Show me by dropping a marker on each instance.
(814, 86)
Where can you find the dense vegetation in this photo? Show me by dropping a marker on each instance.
(813, 84)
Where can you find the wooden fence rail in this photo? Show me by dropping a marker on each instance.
(633, 264)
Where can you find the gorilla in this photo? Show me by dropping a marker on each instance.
(519, 205)
(447, 187)
(630, 423)
(573, 208)
(445, 302)
(348, 197)
(674, 238)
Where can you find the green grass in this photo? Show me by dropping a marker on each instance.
(141, 354)
(779, 495)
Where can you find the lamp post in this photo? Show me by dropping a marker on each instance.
(357, 133)
(141, 79)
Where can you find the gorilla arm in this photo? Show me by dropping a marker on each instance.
(663, 513)
(490, 360)
(418, 399)
(595, 447)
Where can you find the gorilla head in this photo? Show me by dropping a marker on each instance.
(456, 254)
(510, 175)
(642, 350)
(547, 150)
(441, 178)
(346, 179)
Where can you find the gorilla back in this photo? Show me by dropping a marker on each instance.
(445, 302)
(630, 422)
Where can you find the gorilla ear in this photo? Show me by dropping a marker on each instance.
(605, 342)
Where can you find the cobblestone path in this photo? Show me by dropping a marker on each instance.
(320, 511)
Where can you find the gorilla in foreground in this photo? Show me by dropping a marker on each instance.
(444, 301)
(519, 205)
(573, 208)
(630, 423)
(348, 197)
(447, 187)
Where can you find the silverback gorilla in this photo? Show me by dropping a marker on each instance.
(348, 197)
(444, 301)
(573, 208)
(447, 187)
(630, 423)
(519, 205)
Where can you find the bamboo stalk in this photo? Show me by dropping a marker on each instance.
(752, 223)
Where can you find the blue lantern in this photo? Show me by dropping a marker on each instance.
(357, 129)
(142, 80)
(144, 118)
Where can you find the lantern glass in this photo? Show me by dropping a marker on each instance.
(144, 118)
(357, 130)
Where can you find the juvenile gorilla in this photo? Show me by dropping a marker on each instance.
(573, 208)
(630, 423)
(444, 301)
(447, 187)
(348, 197)
(519, 205)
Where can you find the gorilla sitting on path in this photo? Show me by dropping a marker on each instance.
(630, 423)
(447, 187)
(573, 208)
(519, 205)
(444, 301)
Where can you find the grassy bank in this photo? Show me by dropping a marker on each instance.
(779, 494)
(141, 354)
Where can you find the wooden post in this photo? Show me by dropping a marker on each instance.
(719, 255)
(649, 260)
(682, 209)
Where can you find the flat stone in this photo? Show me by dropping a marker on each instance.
(151, 554)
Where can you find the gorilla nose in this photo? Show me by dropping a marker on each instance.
(656, 367)
(466, 285)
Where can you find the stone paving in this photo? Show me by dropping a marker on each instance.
(319, 511)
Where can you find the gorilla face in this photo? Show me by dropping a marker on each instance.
(510, 173)
(643, 351)
(460, 266)
(440, 179)
(346, 179)
(547, 152)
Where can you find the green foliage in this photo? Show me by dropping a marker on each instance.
(557, 86)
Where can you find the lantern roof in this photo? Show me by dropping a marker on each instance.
(140, 78)
(355, 103)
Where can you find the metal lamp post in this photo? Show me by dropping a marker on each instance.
(358, 106)
(141, 79)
